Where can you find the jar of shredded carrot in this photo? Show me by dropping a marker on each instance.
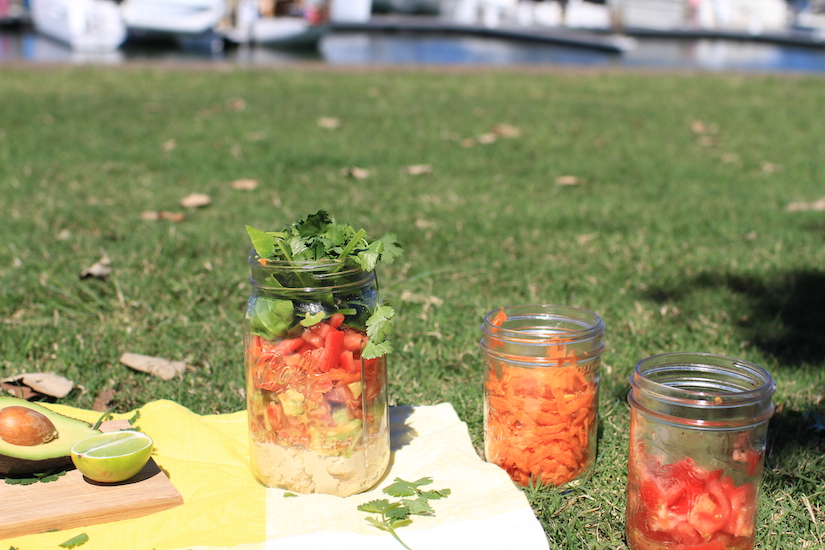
(541, 382)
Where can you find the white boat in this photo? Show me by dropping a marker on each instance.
(172, 17)
(87, 26)
(289, 24)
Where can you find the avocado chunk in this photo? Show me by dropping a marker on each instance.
(54, 454)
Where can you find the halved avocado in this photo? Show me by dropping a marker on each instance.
(21, 459)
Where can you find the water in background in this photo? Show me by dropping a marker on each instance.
(373, 48)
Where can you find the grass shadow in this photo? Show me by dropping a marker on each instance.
(786, 315)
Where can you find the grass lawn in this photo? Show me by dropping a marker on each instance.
(659, 201)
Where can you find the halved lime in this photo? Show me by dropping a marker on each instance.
(113, 456)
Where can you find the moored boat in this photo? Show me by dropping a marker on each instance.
(172, 17)
(87, 26)
(282, 23)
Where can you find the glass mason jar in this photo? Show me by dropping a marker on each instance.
(541, 392)
(317, 409)
(698, 426)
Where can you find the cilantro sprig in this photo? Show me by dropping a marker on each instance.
(395, 514)
(317, 238)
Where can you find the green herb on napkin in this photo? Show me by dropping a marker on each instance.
(397, 513)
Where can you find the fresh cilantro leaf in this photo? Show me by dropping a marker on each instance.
(400, 488)
(391, 249)
(375, 506)
(397, 510)
(314, 224)
(379, 325)
(419, 506)
(435, 495)
(297, 246)
(376, 349)
(80, 539)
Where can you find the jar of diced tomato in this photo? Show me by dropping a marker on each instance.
(698, 426)
(541, 392)
(316, 396)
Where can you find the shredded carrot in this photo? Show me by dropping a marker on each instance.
(500, 317)
(540, 420)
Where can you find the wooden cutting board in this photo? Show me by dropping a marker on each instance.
(72, 501)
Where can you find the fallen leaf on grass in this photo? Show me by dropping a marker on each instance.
(330, 123)
(586, 238)
(98, 270)
(236, 104)
(246, 184)
(426, 299)
(487, 139)
(154, 215)
(700, 127)
(802, 206)
(567, 180)
(355, 172)
(43, 383)
(506, 130)
(418, 169)
(103, 401)
(156, 366)
(769, 167)
(730, 158)
(195, 200)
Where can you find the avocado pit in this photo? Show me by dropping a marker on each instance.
(25, 427)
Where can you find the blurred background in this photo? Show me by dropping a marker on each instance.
(716, 35)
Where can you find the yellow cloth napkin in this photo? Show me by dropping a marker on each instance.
(207, 460)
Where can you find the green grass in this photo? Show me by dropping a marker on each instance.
(680, 240)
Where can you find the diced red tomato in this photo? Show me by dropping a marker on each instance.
(336, 320)
(354, 341)
(333, 344)
(682, 506)
(347, 361)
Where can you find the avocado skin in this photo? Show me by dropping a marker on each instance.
(56, 454)
(12, 466)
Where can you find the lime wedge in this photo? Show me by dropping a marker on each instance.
(112, 457)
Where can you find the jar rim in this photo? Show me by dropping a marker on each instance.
(688, 383)
(745, 372)
(567, 323)
(529, 331)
